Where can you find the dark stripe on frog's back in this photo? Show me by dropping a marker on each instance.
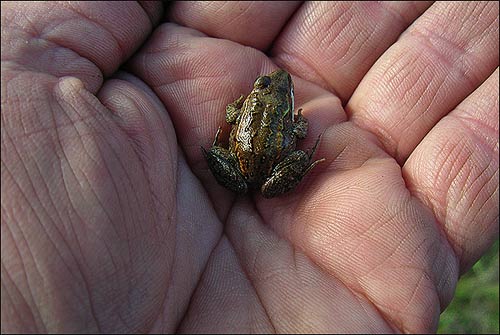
(256, 145)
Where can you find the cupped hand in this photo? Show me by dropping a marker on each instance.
(112, 222)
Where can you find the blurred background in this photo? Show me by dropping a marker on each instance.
(474, 308)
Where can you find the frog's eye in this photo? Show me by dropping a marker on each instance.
(262, 82)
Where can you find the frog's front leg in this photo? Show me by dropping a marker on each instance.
(300, 125)
(233, 110)
(289, 172)
(224, 167)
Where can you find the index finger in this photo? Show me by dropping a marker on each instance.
(254, 24)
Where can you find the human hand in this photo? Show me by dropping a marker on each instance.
(112, 222)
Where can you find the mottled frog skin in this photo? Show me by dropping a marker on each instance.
(264, 132)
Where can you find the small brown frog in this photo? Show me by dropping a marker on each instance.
(262, 141)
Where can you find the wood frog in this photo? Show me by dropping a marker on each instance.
(262, 141)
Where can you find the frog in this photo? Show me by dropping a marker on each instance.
(262, 142)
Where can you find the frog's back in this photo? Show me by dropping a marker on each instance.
(263, 133)
(259, 143)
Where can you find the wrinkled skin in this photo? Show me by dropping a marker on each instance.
(112, 222)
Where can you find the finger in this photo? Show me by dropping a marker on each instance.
(335, 43)
(454, 170)
(255, 24)
(87, 40)
(442, 58)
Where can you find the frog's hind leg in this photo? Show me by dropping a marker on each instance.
(225, 168)
(289, 172)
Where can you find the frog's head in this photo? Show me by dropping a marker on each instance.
(277, 86)
(277, 81)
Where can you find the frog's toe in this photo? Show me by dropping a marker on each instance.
(224, 169)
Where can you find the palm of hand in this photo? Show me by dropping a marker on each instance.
(133, 233)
